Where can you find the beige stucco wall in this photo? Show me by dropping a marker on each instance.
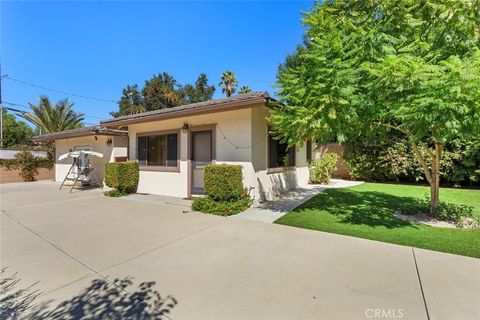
(118, 148)
(271, 185)
(267, 185)
(235, 125)
(243, 128)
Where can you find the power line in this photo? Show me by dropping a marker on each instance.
(13, 104)
(24, 106)
(14, 110)
(23, 112)
(5, 76)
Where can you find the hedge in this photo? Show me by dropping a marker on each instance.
(122, 176)
(221, 208)
(223, 182)
(225, 194)
(388, 156)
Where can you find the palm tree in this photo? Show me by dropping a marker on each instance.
(49, 118)
(135, 109)
(229, 83)
(245, 89)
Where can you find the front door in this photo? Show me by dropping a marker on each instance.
(201, 157)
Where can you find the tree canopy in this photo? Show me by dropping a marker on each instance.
(410, 66)
(244, 89)
(198, 92)
(162, 91)
(50, 118)
(15, 133)
(130, 102)
(228, 83)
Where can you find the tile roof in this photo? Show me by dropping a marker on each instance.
(181, 110)
(79, 132)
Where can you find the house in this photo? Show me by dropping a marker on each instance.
(113, 144)
(174, 145)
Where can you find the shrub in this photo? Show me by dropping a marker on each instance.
(461, 162)
(446, 211)
(388, 156)
(7, 163)
(221, 208)
(383, 157)
(223, 182)
(114, 193)
(321, 170)
(225, 192)
(27, 163)
(123, 176)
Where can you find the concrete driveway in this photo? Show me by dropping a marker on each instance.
(74, 246)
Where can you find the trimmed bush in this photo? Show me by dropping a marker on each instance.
(225, 192)
(115, 193)
(321, 170)
(123, 176)
(223, 182)
(221, 208)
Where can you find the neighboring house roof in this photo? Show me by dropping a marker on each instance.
(216, 105)
(80, 132)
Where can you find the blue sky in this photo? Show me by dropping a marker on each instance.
(97, 48)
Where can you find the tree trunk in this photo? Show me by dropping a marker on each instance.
(432, 174)
(435, 183)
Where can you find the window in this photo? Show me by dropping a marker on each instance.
(279, 154)
(158, 150)
(309, 150)
(82, 160)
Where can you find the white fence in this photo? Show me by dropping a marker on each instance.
(10, 153)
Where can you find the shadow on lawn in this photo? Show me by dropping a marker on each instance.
(361, 208)
(101, 300)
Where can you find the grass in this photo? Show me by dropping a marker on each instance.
(366, 211)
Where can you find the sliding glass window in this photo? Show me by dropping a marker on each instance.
(158, 150)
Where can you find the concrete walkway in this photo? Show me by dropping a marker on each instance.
(72, 247)
(272, 210)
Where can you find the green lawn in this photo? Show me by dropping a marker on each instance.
(366, 211)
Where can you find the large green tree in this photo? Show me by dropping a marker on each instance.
(53, 118)
(198, 92)
(228, 83)
(130, 103)
(15, 133)
(161, 91)
(410, 66)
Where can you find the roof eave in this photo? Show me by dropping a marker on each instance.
(66, 135)
(228, 106)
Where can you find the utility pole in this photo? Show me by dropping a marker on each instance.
(1, 108)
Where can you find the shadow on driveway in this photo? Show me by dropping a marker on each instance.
(100, 300)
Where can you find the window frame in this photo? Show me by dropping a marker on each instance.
(155, 167)
(279, 168)
(309, 151)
